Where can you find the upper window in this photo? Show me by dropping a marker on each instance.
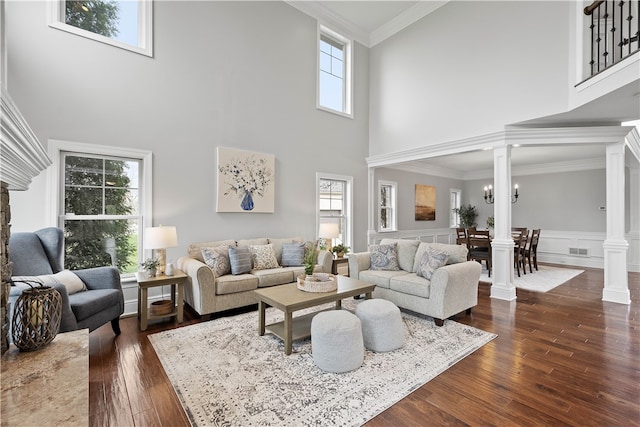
(334, 72)
(123, 23)
(387, 194)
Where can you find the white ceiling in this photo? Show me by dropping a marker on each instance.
(368, 22)
(368, 15)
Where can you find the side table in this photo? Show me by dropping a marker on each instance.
(177, 282)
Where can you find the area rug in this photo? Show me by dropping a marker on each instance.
(225, 374)
(542, 280)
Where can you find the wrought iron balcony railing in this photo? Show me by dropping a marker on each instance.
(615, 29)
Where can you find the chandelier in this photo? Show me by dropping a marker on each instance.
(488, 195)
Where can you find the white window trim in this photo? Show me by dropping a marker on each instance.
(348, 72)
(452, 215)
(394, 205)
(145, 27)
(54, 177)
(348, 204)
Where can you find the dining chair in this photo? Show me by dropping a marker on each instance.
(531, 251)
(462, 238)
(520, 229)
(480, 250)
(520, 240)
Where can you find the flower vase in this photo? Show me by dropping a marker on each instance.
(247, 201)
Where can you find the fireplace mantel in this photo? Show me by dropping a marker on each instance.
(23, 157)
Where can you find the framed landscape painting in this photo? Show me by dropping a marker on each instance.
(425, 203)
(246, 181)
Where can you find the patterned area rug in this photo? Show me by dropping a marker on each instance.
(543, 280)
(225, 374)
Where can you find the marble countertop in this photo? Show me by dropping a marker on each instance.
(47, 386)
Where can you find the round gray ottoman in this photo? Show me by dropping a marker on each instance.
(336, 341)
(382, 325)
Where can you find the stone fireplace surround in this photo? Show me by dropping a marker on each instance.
(23, 158)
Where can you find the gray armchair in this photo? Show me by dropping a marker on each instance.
(40, 253)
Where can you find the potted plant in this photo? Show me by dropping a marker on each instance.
(150, 265)
(340, 250)
(310, 260)
(490, 224)
(468, 215)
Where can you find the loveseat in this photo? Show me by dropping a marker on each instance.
(451, 285)
(213, 287)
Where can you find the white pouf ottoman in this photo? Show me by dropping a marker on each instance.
(382, 325)
(336, 341)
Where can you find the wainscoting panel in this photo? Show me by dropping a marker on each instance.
(436, 235)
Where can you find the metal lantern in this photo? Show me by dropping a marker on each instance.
(36, 317)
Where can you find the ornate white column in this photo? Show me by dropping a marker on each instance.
(616, 287)
(502, 244)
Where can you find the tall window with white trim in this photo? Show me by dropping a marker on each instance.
(335, 205)
(123, 23)
(387, 194)
(103, 203)
(455, 197)
(334, 72)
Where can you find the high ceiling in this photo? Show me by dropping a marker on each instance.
(373, 21)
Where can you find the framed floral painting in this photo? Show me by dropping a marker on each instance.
(246, 181)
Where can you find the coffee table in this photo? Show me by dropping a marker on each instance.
(288, 298)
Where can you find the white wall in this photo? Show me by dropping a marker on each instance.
(234, 74)
(468, 69)
(567, 201)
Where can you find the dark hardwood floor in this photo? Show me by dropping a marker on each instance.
(561, 358)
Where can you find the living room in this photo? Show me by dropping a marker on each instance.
(243, 75)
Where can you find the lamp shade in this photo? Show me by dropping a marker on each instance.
(160, 237)
(328, 230)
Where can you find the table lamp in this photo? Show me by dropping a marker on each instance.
(160, 238)
(328, 231)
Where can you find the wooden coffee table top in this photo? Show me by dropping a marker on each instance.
(290, 298)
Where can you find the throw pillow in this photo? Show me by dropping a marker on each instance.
(240, 260)
(384, 257)
(217, 259)
(68, 278)
(263, 257)
(432, 259)
(292, 254)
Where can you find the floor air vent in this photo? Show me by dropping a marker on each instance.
(579, 251)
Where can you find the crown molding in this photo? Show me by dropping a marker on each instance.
(23, 157)
(633, 145)
(324, 15)
(481, 142)
(349, 29)
(402, 21)
(431, 170)
(514, 136)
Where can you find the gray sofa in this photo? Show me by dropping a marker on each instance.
(40, 253)
(207, 293)
(453, 288)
